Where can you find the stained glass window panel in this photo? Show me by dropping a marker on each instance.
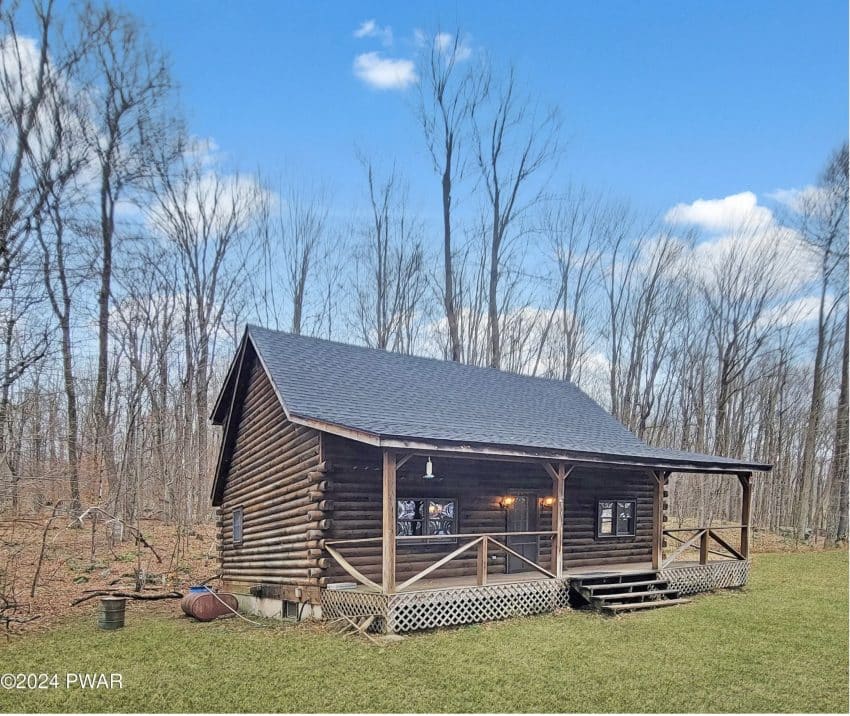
(426, 516)
(409, 528)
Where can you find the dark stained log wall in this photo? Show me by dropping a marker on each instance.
(584, 487)
(275, 474)
(478, 485)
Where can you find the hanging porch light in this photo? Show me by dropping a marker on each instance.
(429, 471)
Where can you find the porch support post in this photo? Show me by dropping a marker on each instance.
(659, 478)
(559, 476)
(482, 562)
(389, 525)
(746, 504)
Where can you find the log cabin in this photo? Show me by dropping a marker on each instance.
(401, 493)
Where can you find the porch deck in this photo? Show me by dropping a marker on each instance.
(534, 576)
(448, 601)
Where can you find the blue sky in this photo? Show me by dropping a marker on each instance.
(663, 102)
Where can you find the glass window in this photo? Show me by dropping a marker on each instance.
(606, 518)
(426, 516)
(615, 518)
(625, 518)
(237, 525)
(441, 517)
(410, 517)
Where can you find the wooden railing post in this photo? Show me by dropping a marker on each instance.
(482, 562)
(746, 503)
(658, 518)
(389, 524)
(703, 547)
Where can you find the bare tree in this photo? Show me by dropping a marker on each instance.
(823, 224)
(387, 302)
(28, 78)
(130, 88)
(739, 287)
(572, 227)
(838, 478)
(206, 217)
(292, 229)
(62, 278)
(449, 93)
(512, 145)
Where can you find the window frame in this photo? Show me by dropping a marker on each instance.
(615, 534)
(238, 510)
(445, 539)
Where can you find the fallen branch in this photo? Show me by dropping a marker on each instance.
(128, 595)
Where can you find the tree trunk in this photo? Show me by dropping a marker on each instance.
(71, 406)
(493, 290)
(449, 294)
(807, 467)
(839, 496)
(102, 428)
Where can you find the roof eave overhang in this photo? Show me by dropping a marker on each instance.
(508, 452)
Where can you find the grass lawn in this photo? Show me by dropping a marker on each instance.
(779, 645)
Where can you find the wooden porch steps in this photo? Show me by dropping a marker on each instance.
(615, 608)
(596, 588)
(614, 593)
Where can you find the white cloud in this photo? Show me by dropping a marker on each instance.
(794, 312)
(799, 200)
(370, 28)
(727, 214)
(758, 249)
(448, 45)
(385, 73)
(738, 231)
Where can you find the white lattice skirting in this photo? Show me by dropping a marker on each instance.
(428, 609)
(351, 603)
(693, 579)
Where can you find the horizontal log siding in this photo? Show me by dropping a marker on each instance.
(584, 487)
(277, 477)
(476, 484)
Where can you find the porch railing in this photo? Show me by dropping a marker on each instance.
(481, 542)
(700, 540)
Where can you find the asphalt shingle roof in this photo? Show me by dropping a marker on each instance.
(393, 395)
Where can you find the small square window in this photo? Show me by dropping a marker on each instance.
(615, 518)
(237, 525)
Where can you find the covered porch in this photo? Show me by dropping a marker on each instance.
(414, 581)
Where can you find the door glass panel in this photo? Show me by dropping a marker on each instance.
(518, 515)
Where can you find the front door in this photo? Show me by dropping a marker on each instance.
(522, 517)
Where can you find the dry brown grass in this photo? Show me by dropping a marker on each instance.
(70, 568)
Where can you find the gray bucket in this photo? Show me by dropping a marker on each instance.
(111, 615)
